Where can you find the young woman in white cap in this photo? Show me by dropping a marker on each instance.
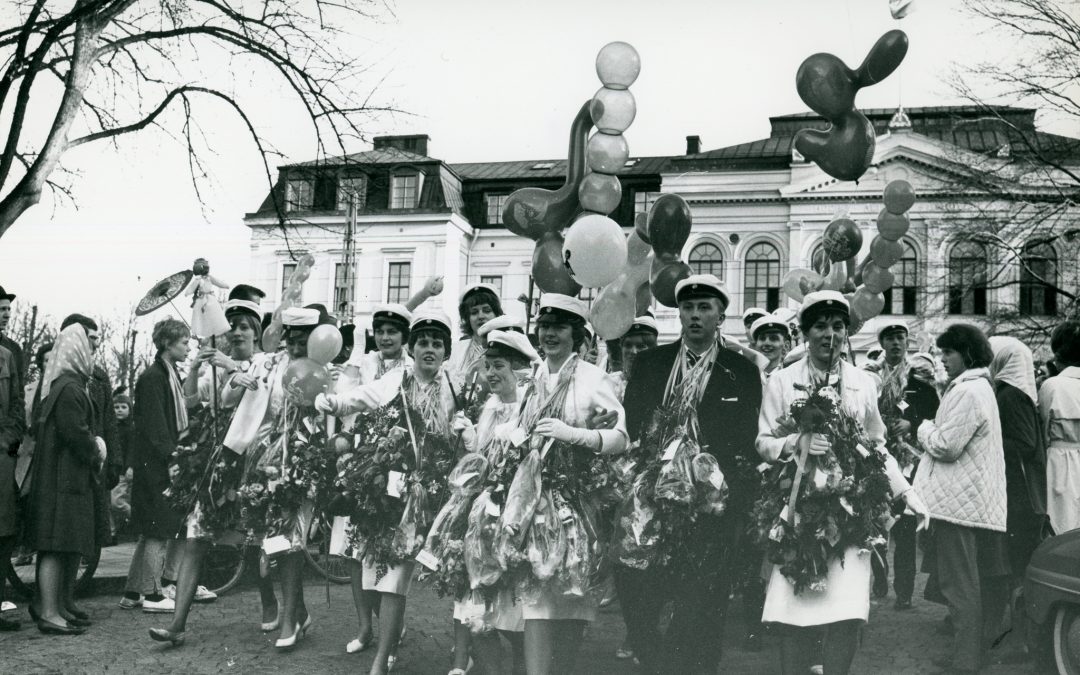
(564, 394)
(642, 335)
(425, 398)
(479, 304)
(844, 604)
(771, 336)
(508, 361)
(260, 431)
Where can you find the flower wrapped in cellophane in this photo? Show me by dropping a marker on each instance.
(446, 538)
(480, 537)
(545, 543)
(637, 529)
(522, 499)
(676, 480)
(711, 490)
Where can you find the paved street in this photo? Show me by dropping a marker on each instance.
(224, 638)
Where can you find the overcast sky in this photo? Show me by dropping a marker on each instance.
(487, 80)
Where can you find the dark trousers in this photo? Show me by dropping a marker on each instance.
(903, 537)
(971, 572)
(698, 587)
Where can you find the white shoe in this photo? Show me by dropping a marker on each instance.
(817, 670)
(357, 645)
(203, 594)
(163, 606)
(169, 592)
(7, 606)
(128, 603)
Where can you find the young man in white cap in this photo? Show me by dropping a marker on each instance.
(728, 392)
(771, 336)
(751, 315)
(904, 402)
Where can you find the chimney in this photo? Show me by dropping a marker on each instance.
(693, 145)
(415, 143)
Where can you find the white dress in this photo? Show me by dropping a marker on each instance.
(847, 592)
(207, 316)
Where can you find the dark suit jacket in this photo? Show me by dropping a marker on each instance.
(154, 443)
(727, 415)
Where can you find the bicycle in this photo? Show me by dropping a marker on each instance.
(83, 582)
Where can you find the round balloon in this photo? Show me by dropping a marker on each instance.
(836, 278)
(669, 224)
(607, 153)
(866, 304)
(618, 65)
(324, 344)
(899, 196)
(885, 253)
(892, 226)
(842, 239)
(600, 193)
(548, 270)
(876, 279)
(799, 281)
(614, 309)
(303, 380)
(665, 278)
(641, 226)
(594, 251)
(613, 110)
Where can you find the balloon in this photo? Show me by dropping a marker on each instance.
(637, 250)
(548, 269)
(594, 250)
(614, 309)
(530, 212)
(663, 280)
(669, 224)
(885, 57)
(290, 297)
(891, 226)
(826, 85)
(819, 261)
(618, 65)
(271, 337)
(324, 344)
(613, 110)
(885, 253)
(899, 196)
(877, 279)
(842, 239)
(641, 226)
(899, 8)
(866, 304)
(600, 193)
(843, 151)
(798, 282)
(303, 380)
(607, 153)
(835, 279)
(644, 298)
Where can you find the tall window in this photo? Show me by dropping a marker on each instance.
(299, 194)
(902, 298)
(967, 278)
(286, 271)
(397, 285)
(352, 189)
(762, 281)
(495, 281)
(644, 200)
(706, 258)
(495, 206)
(404, 191)
(1038, 276)
(341, 286)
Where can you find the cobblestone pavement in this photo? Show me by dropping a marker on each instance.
(224, 638)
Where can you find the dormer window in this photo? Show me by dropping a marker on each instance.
(299, 194)
(542, 166)
(405, 190)
(629, 163)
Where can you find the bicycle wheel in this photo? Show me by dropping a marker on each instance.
(84, 583)
(335, 568)
(21, 588)
(223, 567)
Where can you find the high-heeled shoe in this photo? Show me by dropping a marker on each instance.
(357, 645)
(290, 642)
(166, 635)
(268, 626)
(50, 628)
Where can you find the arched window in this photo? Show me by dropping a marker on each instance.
(967, 278)
(1038, 277)
(707, 258)
(761, 287)
(903, 297)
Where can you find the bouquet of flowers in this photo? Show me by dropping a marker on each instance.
(480, 537)
(809, 514)
(637, 528)
(446, 539)
(522, 499)
(202, 473)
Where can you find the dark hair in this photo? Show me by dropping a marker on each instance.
(84, 321)
(396, 323)
(577, 329)
(39, 356)
(970, 342)
(480, 296)
(168, 331)
(414, 337)
(251, 320)
(516, 359)
(1065, 343)
(815, 312)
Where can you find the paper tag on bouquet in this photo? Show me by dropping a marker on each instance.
(784, 514)
(517, 437)
(862, 450)
(428, 560)
(565, 514)
(492, 509)
(670, 450)
(395, 483)
(763, 467)
(821, 479)
(847, 506)
(276, 544)
(903, 406)
(907, 470)
(717, 479)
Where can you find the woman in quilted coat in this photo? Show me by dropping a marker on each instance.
(962, 479)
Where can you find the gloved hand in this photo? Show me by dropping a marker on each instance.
(919, 508)
(549, 427)
(327, 403)
(460, 422)
(819, 444)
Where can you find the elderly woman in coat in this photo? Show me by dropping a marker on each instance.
(962, 477)
(66, 461)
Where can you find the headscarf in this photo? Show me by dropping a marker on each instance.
(70, 354)
(1013, 364)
